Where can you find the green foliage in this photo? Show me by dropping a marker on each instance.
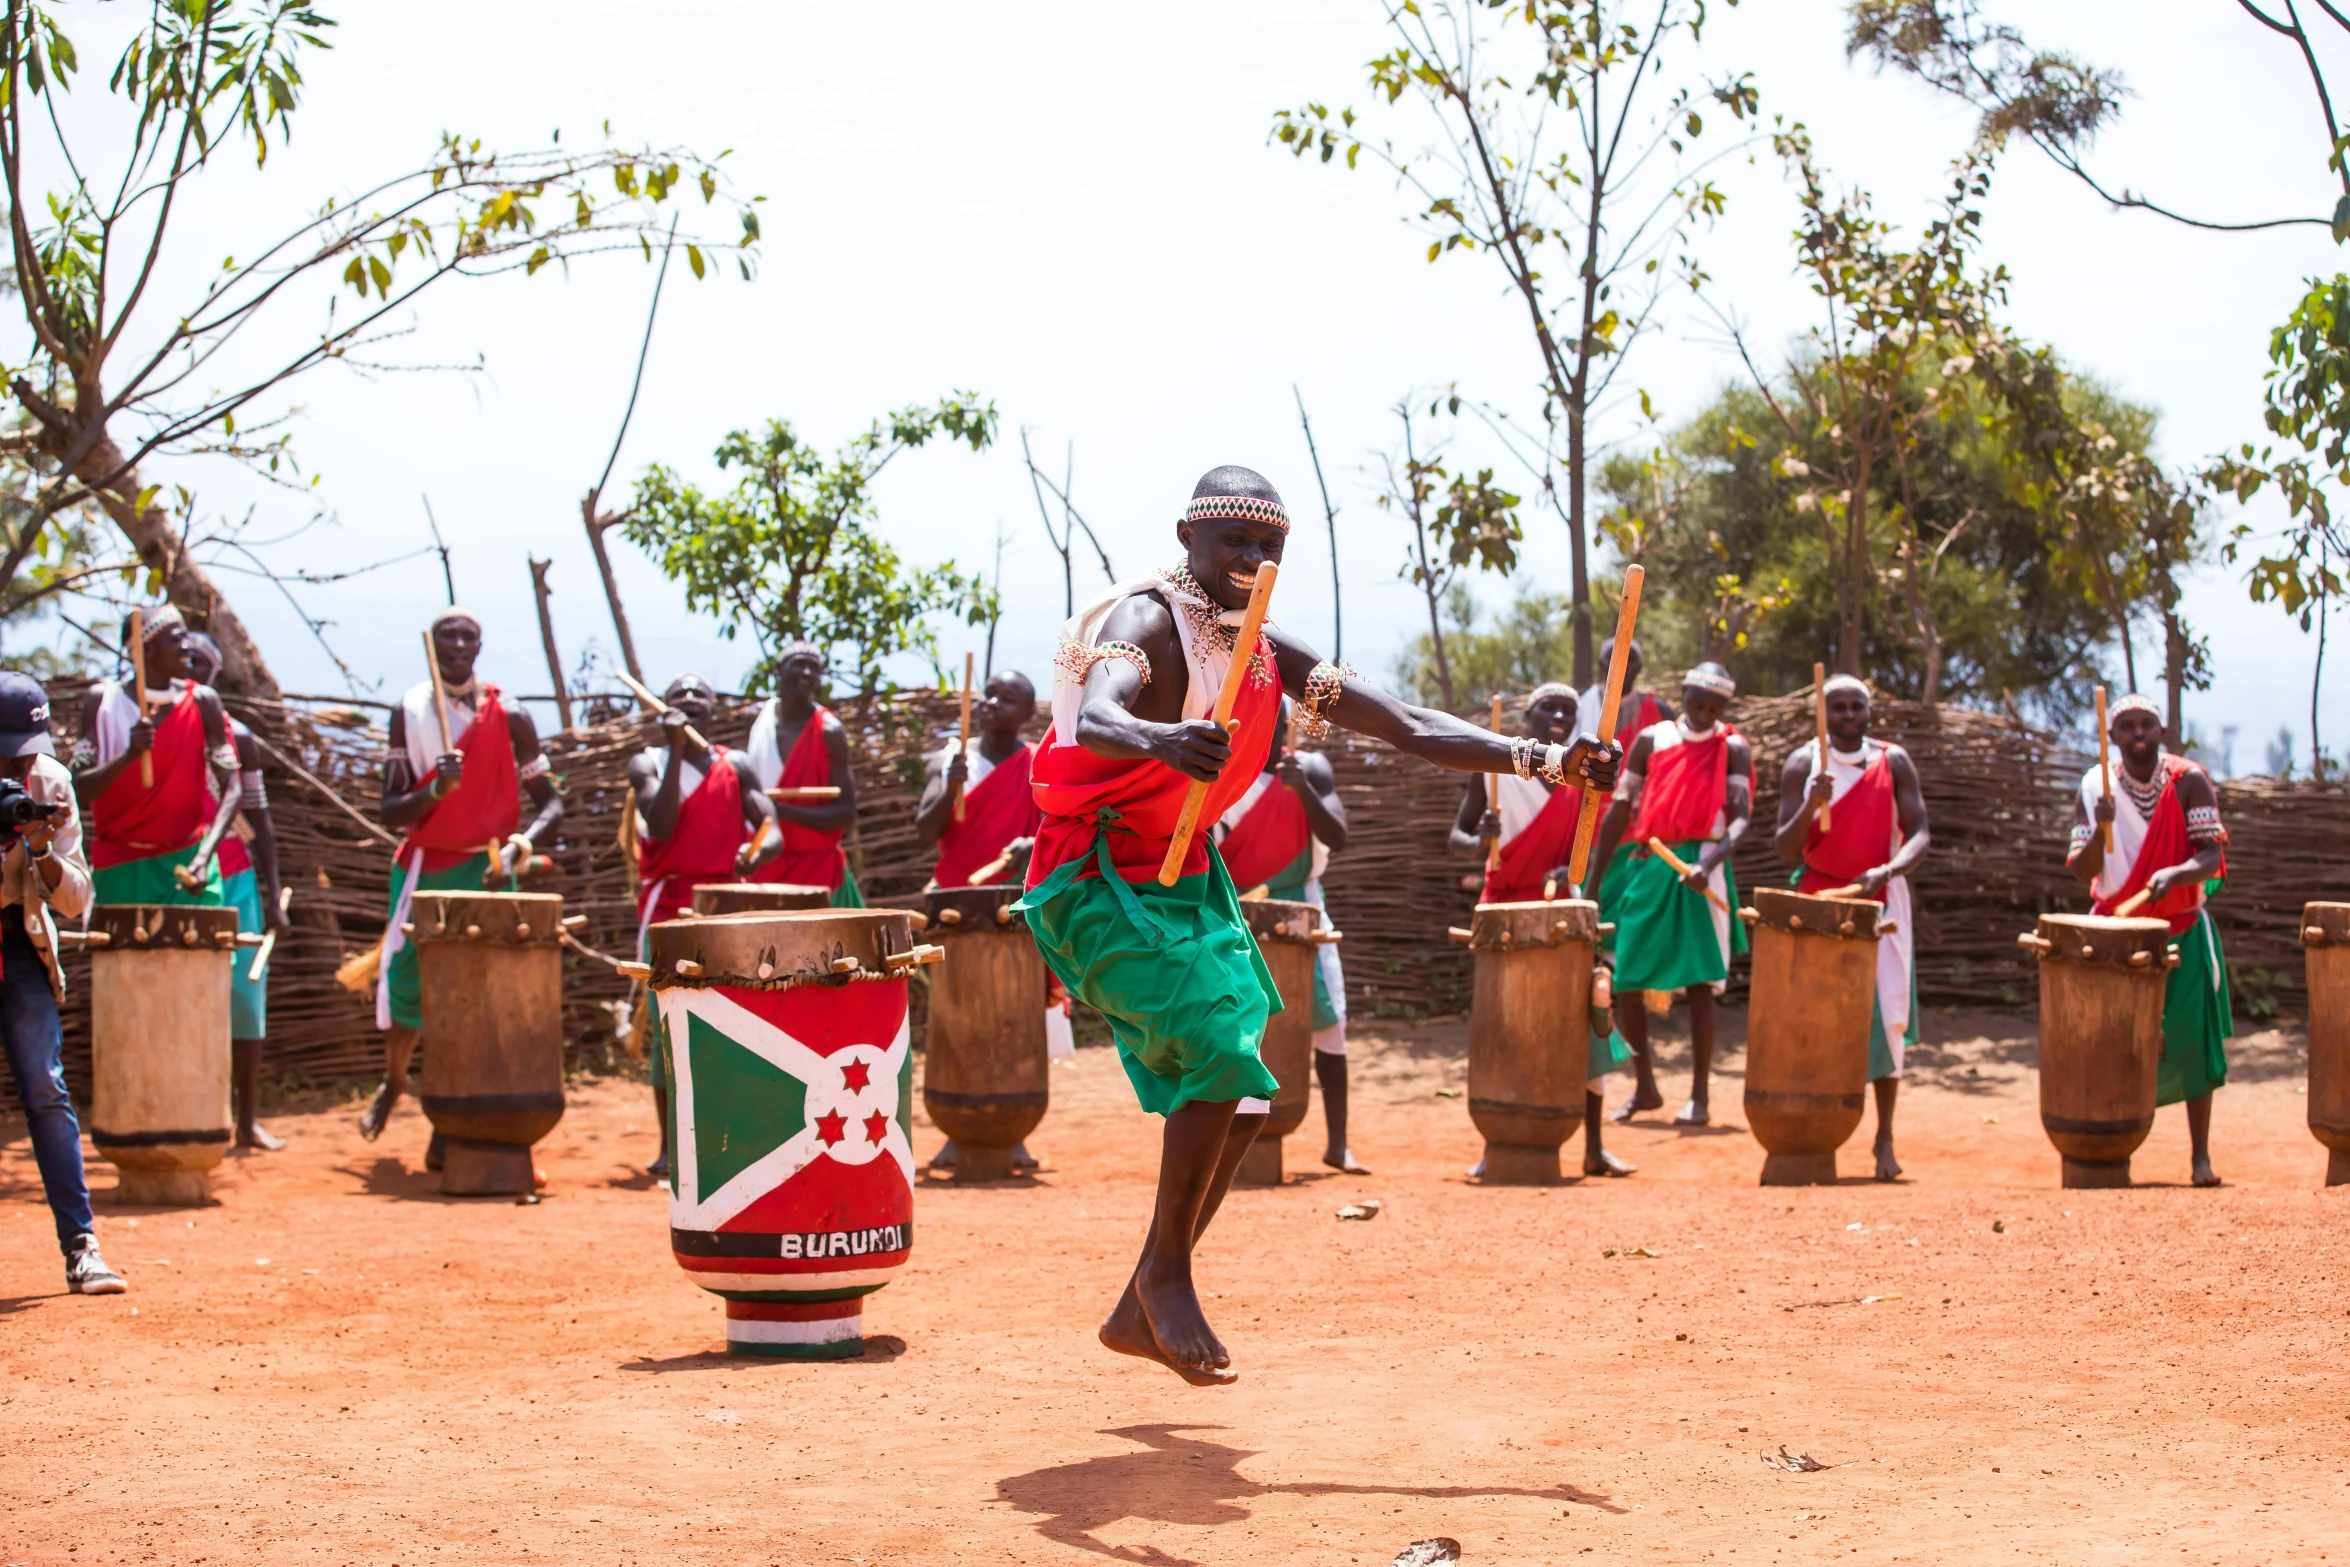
(1459, 522)
(1529, 641)
(2309, 406)
(794, 549)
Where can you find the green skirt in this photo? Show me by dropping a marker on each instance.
(2197, 1018)
(407, 990)
(1174, 969)
(1608, 1052)
(151, 881)
(248, 999)
(1666, 938)
(1611, 896)
(848, 895)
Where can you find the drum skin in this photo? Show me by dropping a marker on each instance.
(1807, 1041)
(2325, 939)
(757, 897)
(159, 1025)
(2101, 984)
(986, 1079)
(1528, 1052)
(790, 1103)
(1285, 936)
(490, 970)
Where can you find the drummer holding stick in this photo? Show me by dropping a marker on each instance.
(800, 752)
(1683, 804)
(1166, 693)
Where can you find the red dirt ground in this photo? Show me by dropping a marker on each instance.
(336, 1364)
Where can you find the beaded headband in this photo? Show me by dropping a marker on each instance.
(155, 621)
(1550, 688)
(1248, 508)
(1713, 680)
(1847, 683)
(2133, 703)
(801, 649)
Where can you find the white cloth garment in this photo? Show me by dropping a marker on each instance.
(2129, 834)
(118, 710)
(1893, 951)
(1083, 629)
(1519, 800)
(1247, 803)
(420, 715)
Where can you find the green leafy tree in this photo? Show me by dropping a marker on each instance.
(1582, 225)
(1527, 641)
(96, 186)
(1459, 522)
(795, 551)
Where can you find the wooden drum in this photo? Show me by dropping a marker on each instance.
(757, 897)
(490, 967)
(1288, 934)
(1807, 1041)
(159, 1021)
(985, 1072)
(2101, 982)
(790, 1098)
(2325, 938)
(1530, 1010)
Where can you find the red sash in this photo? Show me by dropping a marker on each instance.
(1649, 711)
(1547, 842)
(133, 822)
(2166, 845)
(1687, 787)
(810, 858)
(1073, 786)
(1268, 840)
(701, 847)
(484, 805)
(233, 858)
(997, 809)
(1860, 829)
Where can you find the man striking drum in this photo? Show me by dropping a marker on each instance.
(1533, 823)
(697, 808)
(1876, 836)
(797, 743)
(2167, 842)
(1277, 841)
(1174, 968)
(1692, 782)
(455, 795)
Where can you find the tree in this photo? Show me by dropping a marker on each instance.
(118, 375)
(794, 550)
(2308, 405)
(1527, 641)
(2060, 103)
(1458, 522)
(1581, 236)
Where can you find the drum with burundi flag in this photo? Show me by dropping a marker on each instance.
(790, 1102)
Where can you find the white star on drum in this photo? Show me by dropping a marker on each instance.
(852, 1124)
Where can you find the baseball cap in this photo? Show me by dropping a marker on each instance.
(24, 717)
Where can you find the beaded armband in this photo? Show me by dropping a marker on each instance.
(224, 757)
(1322, 687)
(1077, 661)
(536, 767)
(1522, 756)
(2081, 836)
(2203, 826)
(1554, 766)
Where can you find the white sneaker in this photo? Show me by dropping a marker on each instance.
(86, 1272)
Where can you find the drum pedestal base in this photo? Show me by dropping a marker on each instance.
(177, 1188)
(2338, 1167)
(472, 1169)
(974, 1163)
(793, 1330)
(1261, 1165)
(1518, 1164)
(1799, 1169)
(2081, 1175)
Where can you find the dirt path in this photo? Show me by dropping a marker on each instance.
(335, 1364)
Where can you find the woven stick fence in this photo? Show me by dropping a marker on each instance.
(1998, 794)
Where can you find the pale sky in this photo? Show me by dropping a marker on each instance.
(1073, 210)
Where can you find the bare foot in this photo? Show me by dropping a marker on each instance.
(944, 1159)
(1343, 1161)
(1605, 1163)
(1888, 1168)
(259, 1136)
(436, 1152)
(378, 1111)
(1185, 1340)
(1693, 1114)
(2204, 1174)
(1128, 1331)
(1022, 1159)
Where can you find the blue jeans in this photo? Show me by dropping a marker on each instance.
(36, 1049)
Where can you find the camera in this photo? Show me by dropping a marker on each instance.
(19, 810)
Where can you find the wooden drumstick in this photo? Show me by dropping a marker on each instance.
(285, 901)
(986, 874)
(962, 739)
(440, 695)
(806, 794)
(659, 706)
(1587, 819)
(139, 673)
(2104, 776)
(1493, 795)
(1244, 653)
(1819, 685)
(750, 853)
(2133, 903)
(1681, 867)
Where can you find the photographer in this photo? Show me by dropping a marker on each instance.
(41, 868)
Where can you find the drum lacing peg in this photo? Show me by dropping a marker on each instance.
(522, 930)
(1558, 930)
(1607, 927)
(1888, 927)
(1795, 922)
(1750, 915)
(2141, 959)
(408, 929)
(766, 968)
(139, 934)
(2313, 935)
(225, 940)
(950, 916)
(1846, 928)
(2088, 953)
(473, 933)
(1508, 936)
(689, 968)
(2033, 942)
(1003, 914)
(844, 965)
(1458, 936)
(2170, 957)
(190, 936)
(1325, 938)
(576, 922)
(633, 970)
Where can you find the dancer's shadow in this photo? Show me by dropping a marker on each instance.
(1187, 1480)
(386, 1176)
